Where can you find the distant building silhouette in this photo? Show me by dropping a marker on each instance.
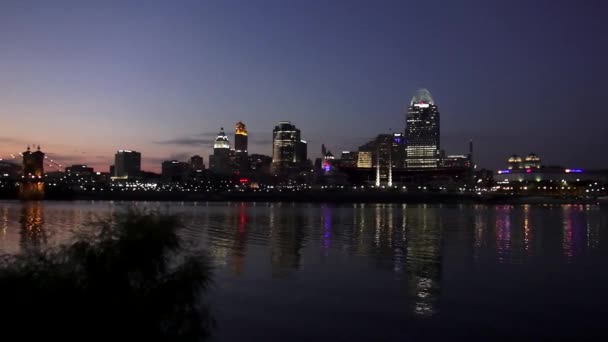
(175, 171)
(33, 163)
(422, 132)
(127, 164)
(31, 186)
(79, 170)
(197, 163)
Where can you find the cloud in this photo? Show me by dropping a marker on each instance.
(208, 134)
(12, 140)
(187, 141)
(181, 156)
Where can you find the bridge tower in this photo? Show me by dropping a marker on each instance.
(31, 186)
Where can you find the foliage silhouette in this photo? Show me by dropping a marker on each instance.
(131, 276)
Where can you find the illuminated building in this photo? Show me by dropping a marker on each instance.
(240, 146)
(364, 159)
(459, 161)
(532, 161)
(422, 132)
(515, 162)
(288, 150)
(328, 159)
(219, 161)
(381, 150)
(127, 164)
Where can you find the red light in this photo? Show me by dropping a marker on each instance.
(529, 170)
(244, 180)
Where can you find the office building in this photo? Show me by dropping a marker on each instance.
(348, 159)
(219, 161)
(197, 163)
(364, 159)
(422, 132)
(531, 161)
(240, 146)
(127, 164)
(175, 171)
(79, 170)
(289, 151)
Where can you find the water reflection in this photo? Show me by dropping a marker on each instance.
(417, 247)
(288, 232)
(240, 240)
(33, 234)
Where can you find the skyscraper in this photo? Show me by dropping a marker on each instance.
(422, 132)
(240, 146)
(127, 164)
(219, 161)
(288, 150)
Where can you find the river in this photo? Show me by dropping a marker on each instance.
(376, 272)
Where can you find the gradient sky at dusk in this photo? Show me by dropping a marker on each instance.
(85, 78)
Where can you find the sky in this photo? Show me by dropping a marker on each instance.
(86, 78)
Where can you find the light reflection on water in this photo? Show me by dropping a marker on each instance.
(414, 259)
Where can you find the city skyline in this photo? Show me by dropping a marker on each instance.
(162, 79)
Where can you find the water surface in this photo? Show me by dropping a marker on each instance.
(385, 272)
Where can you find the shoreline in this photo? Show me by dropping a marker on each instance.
(318, 197)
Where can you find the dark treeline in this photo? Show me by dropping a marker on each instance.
(127, 277)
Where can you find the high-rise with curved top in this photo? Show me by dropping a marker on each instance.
(288, 149)
(422, 132)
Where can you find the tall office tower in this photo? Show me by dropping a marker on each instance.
(127, 164)
(240, 146)
(219, 161)
(422, 132)
(398, 151)
(288, 150)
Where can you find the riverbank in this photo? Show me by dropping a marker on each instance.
(319, 197)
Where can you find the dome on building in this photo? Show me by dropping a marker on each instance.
(222, 140)
(422, 96)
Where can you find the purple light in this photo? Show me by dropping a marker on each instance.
(500, 172)
(573, 171)
(529, 170)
